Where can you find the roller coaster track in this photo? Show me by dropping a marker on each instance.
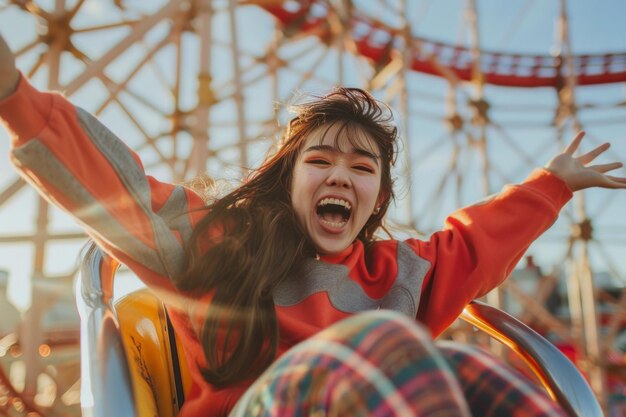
(375, 40)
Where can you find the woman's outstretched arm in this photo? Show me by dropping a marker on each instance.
(78, 164)
(481, 244)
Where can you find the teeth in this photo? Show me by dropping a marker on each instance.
(333, 224)
(336, 201)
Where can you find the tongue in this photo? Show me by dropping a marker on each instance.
(333, 217)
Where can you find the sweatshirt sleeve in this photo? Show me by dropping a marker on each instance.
(480, 245)
(79, 165)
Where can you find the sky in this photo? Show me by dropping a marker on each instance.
(525, 140)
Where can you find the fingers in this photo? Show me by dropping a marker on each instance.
(593, 154)
(617, 179)
(616, 182)
(575, 143)
(606, 167)
(595, 174)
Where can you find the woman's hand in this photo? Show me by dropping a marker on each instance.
(9, 75)
(576, 172)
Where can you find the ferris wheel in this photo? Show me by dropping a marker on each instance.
(204, 87)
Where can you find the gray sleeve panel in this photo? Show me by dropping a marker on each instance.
(175, 213)
(169, 250)
(44, 164)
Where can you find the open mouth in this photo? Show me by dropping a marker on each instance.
(334, 212)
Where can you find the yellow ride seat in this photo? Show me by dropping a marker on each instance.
(132, 365)
(156, 360)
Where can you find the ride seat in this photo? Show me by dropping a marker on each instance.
(158, 367)
(132, 365)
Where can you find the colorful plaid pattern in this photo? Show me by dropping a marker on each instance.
(383, 364)
(492, 388)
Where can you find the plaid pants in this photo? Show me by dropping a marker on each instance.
(383, 364)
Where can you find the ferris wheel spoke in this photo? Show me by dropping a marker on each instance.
(519, 151)
(148, 139)
(26, 48)
(106, 27)
(115, 88)
(11, 189)
(41, 60)
(310, 73)
(133, 72)
(138, 32)
(31, 7)
(75, 9)
(246, 82)
(436, 197)
(436, 144)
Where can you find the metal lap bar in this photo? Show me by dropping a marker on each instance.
(106, 388)
(558, 374)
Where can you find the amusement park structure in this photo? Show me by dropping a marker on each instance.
(202, 87)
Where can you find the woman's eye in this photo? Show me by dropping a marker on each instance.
(318, 161)
(364, 168)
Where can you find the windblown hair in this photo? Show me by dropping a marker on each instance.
(254, 240)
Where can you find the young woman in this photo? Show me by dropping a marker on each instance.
(285, 301)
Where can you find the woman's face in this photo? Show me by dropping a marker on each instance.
(335, 187)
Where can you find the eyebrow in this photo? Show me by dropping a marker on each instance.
(328, 148)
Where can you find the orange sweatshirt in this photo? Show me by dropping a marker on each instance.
(79, 165)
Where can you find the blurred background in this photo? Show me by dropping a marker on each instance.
(483, 91)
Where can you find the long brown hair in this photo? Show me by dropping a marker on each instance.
(260, 242)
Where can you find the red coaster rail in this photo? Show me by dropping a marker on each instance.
(377, 41)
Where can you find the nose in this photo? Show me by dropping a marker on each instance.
(339, 177)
